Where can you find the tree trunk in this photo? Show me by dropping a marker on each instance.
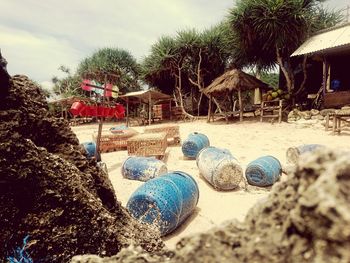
(179, 89)
(302, 85)
(288, 74)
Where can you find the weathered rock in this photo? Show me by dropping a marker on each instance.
(50, 191)
(314, 112)
(306, 115)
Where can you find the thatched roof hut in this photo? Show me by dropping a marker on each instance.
(233, 80)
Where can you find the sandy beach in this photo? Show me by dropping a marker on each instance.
(246, 141)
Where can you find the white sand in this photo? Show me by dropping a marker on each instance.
(246, 141)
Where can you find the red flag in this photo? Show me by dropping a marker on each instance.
(84, 85)
(108, 90)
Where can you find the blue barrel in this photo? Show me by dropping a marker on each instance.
(293, 153)
(90, 148)
(165, 201)
(264, 171)
(219, 168)
(194, 143)
(143, 168)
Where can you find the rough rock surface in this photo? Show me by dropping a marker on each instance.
(50, 191)
(306, 218)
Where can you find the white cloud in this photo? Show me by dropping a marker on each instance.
(36, 56)
(38, 36)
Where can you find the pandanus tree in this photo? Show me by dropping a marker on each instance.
(270, 30)
(165, 65)
(190, 61)
(117, 65)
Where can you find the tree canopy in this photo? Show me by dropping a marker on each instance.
(119, 65)
(270, 30)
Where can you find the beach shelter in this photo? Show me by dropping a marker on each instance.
(230, 81)
(149, 97)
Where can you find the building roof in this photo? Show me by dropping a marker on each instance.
(326, 40)
(145, 94)
(234, 79)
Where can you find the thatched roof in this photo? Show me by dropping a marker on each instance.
(234, 80)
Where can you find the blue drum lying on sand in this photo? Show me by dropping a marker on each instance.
(165, 201)
(219, 168)
(194, 143)
(293, 153)
(143, 168)
(264, 171)
(90, 148)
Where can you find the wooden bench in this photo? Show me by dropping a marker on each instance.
(269, 107)
(148, 144)
(338, 117)
(172, 131)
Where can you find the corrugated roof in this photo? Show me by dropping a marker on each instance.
(325, 41)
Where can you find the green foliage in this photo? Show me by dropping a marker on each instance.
(119, 65)
(212, 50)
(268, 31)
(68, 85)
(266, 25)
(270, 78)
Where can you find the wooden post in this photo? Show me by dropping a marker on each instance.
(280, 112)
(261, 111)
(170, 109)
(325, 77)
(240, 105)
(100, 124)
(149, 108)
(127, 112)
(209, 109)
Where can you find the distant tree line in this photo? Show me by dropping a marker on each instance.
(259, 34)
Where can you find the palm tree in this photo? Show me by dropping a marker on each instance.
(118, 65)
(270, 30)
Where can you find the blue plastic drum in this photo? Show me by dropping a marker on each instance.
(264, 171)
(293, 153)
(219, 168)
(90, 148)
(194, 143)
(165, 201)
(143, 168)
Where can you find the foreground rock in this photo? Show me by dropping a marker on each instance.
(50, 191)
(305, 219)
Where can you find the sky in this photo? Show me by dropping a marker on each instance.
(37, 36)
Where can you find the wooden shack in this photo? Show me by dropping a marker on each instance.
(328, 54)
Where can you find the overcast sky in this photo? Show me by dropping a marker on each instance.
(37, 36)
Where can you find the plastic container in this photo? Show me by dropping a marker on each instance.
(263, 171)
(165, 201)
(77, 107)
(193, 144)
(90, 148)
(219, 168)
(143, 168)
(293, 153)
